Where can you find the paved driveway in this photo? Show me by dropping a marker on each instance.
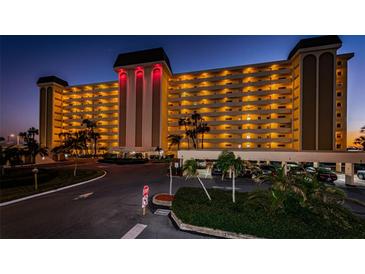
(111, 207)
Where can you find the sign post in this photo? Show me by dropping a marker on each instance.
(146, 191)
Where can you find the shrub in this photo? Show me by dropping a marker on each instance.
(254, 217)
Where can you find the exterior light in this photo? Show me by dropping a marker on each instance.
(248, 118)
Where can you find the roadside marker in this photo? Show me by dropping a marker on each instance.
(134, 231)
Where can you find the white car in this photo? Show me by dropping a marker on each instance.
(361, 174)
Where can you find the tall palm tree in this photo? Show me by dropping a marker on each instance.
(94, 136)
(202, 129)
(190, 169)
(175, 140)
(185, 122)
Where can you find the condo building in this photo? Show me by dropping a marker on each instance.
(296, 104)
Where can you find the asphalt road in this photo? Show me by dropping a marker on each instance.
(110, 207)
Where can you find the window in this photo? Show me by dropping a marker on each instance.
(228, 109)
(281, 145)
(338, 125)
(228, 145)
(338, 115)
(339, 73)
(339, 94)
(227, 127)
(282, 88)
(339, 63)
(258, 146)
(338, 136)
(339, 105)
(281, 135)
(281, 116)
(338, 146)
(281, 106)
(228, 119)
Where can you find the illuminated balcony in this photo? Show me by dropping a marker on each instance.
(241, 122)
(231, 104)
(241, 131)
(236, 94)
(232, 113)
(231, 76)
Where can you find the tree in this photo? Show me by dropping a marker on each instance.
(361, 139)
(227, 162)
(190, 169)
(202, 129)
(92, 135)
(175, 140)
(32, 147)
(185, 122)
(72, 144)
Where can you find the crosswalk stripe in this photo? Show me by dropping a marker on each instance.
(134, 231)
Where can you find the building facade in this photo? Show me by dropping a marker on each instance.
(297, 104)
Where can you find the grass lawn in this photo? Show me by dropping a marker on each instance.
(21, 183)
(254, 218)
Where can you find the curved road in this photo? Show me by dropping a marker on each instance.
(107, 208)
(110, 207)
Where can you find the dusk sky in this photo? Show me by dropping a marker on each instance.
(89, 59)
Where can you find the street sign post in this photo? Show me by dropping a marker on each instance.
(146, 191)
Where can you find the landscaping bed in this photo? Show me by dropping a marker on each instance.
(21, 183)
(254, 216)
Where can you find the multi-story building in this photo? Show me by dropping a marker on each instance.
(296, 104)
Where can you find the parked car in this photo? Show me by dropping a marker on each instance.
(216, 171)
(268, 169)
(296, 170)
(323, 174)
(361, 174)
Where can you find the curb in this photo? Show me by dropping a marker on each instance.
(51, 191)
(209, 231)
(161, 203)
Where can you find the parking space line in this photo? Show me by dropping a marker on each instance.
(134, 231)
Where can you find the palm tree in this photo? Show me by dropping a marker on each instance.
(360, 141)
(72, 144)
(175, 140)
(190, 169)
(202, 129)
(32, 146)
(227, 162)
(362, 130)
(91, 125)
(185, 122)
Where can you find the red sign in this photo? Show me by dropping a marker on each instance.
(146, 190)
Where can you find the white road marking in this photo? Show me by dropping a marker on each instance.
(162, 212)
(51, 191)
(83, 196)
(134, 231)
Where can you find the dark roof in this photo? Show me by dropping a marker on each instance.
(315, 42)
(143, 56)
(52, 79)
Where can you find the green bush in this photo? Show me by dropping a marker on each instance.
(256, 216)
